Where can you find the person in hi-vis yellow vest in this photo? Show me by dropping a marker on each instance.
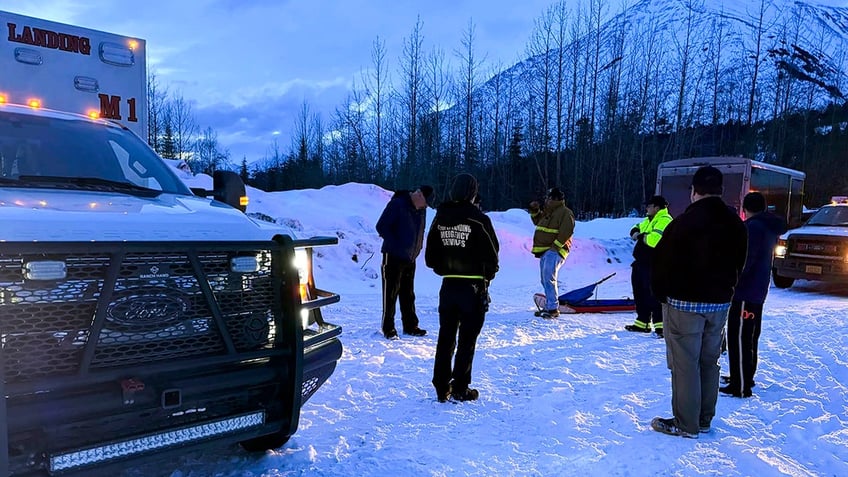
(647, 235)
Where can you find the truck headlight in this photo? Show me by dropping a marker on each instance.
(780, 249)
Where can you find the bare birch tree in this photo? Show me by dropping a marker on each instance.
(377, 85)
(411, 78)
(470, 66)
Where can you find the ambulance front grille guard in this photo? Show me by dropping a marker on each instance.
(145, 303)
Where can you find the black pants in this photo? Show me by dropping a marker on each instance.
(744, 323)
(398, 284)
(462, 310)
(646, 305)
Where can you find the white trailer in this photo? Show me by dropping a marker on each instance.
(74, 69)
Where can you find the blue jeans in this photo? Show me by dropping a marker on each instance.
(549, 265)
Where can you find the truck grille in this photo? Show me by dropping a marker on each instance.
(818, 247)
(142, 307)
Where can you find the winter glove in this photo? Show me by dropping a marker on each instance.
(634, 233)
(485, 298)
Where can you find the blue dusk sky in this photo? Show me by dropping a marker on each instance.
(247, 66)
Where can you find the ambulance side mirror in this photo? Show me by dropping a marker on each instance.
(229, 189)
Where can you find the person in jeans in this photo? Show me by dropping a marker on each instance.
(551, 244)
(401, 225)
(462, 248)
(696, 267)
(745, 318)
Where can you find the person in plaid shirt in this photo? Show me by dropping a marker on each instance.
(696, 267)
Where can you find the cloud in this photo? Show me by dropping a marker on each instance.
(249, 65)
(251, 120)
(292, 87)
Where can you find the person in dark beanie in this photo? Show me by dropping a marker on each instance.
(647, 235)
(745, 319)
(551, 244)
(462, 248)
(401, 225)
(696, 267)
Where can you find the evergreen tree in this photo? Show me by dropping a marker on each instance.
(244, 173)
(168, 146)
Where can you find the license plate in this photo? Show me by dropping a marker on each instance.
(817, 269)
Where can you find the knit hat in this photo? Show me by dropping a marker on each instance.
(427, 191)
(707, 180)
(754, 202)
(555, 193)
(464, 188)
(657, 201)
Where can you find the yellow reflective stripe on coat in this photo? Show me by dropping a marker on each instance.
(560, 250)
(545, 229)
(657, 227)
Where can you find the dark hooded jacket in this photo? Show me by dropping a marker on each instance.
(763, 232)
(462, 242)
(401, 226)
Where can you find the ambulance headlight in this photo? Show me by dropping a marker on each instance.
(301, 262)
(304, 318)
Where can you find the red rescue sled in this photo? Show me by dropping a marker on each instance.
(580, 301)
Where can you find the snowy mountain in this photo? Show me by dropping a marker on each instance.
(720, 47)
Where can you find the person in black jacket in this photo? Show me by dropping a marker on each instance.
(696, 267)
(463, 249)
(401, 225)
(745, 319)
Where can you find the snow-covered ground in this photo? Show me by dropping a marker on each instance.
(569, 396)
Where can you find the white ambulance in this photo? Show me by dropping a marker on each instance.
(138, 318)
(74, 69)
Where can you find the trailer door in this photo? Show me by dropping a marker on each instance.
(674, 183)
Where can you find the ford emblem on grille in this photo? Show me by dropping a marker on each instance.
(147, 308)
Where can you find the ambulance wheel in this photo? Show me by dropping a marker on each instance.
(263, 443)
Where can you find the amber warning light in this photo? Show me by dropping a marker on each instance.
(3, 99)
(34, 103)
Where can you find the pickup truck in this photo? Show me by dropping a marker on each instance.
(139, 317)
(816, 251)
